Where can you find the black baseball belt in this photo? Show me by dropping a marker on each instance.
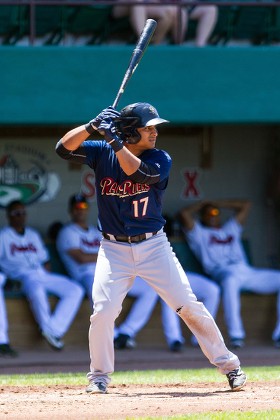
(129, 239)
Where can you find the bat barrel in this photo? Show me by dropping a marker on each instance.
(137, 54)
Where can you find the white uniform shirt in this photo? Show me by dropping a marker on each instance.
(21, 253)
(217, 248)
(72, 236)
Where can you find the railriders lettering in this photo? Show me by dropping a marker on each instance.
(127, 188)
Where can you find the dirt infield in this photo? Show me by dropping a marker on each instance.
(133, 401)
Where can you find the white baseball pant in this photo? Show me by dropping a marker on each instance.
(153, 260)
(204, 289)
(238, 277)
(4, 339)
(36, 286)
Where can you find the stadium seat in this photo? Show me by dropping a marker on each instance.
(273, 30)
(49, 23)
(89, 20)
(224, 28)
(12, 23)
(251, 23)
(121, 29)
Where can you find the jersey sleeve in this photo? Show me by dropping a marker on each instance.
(232, 226)
(194, 236)
(93, 150)
(154, 169)
(43, 254)
(67, 239)
(161, 161)
(87, 153)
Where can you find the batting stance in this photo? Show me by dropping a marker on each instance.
(131, 178)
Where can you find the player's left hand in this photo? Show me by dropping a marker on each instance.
(108, 129)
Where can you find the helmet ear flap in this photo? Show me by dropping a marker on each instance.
(133, 138)
(127, 129)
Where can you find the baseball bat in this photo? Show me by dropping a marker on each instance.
(137, 54)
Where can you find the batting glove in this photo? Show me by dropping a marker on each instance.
(108, 129)
(94, 124)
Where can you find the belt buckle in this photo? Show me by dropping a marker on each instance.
(129, 239)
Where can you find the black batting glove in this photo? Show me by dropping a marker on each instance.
(108, 129)
(94, 124)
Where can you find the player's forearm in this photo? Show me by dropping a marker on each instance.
(128, 162)
(88, 258)
(74, 138)
(235, 204)
(193, 208)
(186, 215)
(82, 257)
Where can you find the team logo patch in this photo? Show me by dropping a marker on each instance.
(24, 175)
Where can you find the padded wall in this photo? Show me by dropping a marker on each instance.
(61, 85)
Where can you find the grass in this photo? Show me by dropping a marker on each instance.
(263, 373)
(247, 415)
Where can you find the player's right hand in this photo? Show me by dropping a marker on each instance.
(109, 112)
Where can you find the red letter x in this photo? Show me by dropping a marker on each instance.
(191, 189)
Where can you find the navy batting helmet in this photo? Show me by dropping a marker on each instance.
(140, 114)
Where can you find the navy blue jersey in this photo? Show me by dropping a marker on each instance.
(125, 207)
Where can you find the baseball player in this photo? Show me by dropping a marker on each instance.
(204, 289)
(219, 248)
(5, 348)
(78, 243)
(131, 178)
(24, 257)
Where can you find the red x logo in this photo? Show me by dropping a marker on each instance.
(191, 190)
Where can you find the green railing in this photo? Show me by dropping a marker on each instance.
(258, 21)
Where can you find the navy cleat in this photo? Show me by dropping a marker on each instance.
(124, 341)
(236, 343)
(176, 346)
(7, 351)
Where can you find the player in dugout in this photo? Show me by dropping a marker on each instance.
(218, 246)
(131, 178)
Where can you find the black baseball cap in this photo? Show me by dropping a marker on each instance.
(78, 199)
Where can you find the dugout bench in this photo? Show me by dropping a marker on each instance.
(258, 311)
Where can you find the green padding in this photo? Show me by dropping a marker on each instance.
(57, 265)
(186, 257)
(61, 85)
(190, 262)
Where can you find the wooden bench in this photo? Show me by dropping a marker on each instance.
(258, 312)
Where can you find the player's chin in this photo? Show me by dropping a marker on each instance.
(152, 142)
